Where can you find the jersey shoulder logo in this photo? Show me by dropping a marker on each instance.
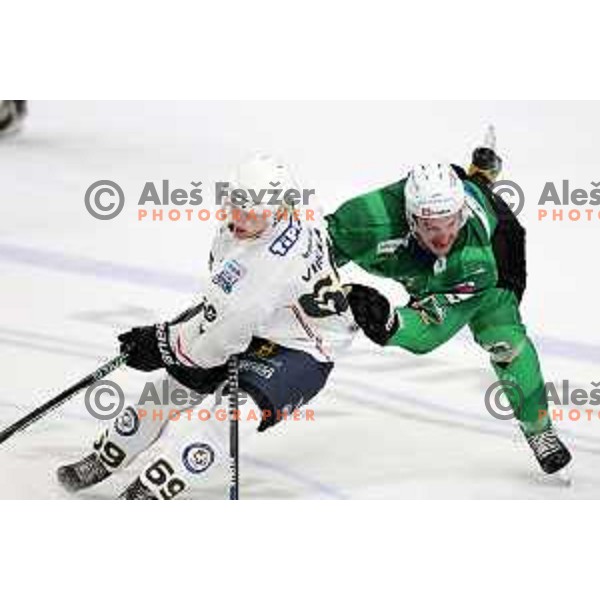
(285, 242)
(391, 246)
(230, 274)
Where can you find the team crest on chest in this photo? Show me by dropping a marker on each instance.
(230, 274)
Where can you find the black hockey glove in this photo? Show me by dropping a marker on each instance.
(147, 348)
(373, 313)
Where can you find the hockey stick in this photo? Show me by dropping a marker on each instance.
(97, 375)
(57, 401)
(234, 440)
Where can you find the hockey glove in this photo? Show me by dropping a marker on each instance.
(373, 313)
(147, 348)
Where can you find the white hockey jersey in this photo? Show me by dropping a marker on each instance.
(280, 286)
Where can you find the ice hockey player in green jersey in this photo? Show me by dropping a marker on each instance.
(459, 252)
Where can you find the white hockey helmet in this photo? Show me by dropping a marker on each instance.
(434, 191)
(263, 172)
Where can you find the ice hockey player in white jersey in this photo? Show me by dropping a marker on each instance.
(274, 300)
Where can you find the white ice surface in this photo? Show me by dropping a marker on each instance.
(389, 425)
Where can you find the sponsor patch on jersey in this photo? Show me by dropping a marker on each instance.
(197, 457)
(285, 242)
(128, 422)
(390, 246)
(231, 272)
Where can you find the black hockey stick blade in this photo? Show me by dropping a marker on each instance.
(55, 402)
(100, 373)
